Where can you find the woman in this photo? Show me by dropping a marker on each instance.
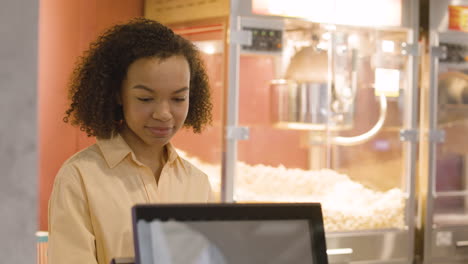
(137, 85)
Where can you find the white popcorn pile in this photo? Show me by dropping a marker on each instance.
(347, 205)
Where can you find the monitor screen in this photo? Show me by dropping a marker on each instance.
(229, 234)
(225, 242)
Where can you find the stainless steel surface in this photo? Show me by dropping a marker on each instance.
(439, 52)
(306, 99)
(436, 136)
(306, 104)
(430, 189)
(230, 156)
(237, 133)
(449, 244)
(411, 49)
(366, 136)
(319, 91)
(451, 194)
(410, 123)
(409, 135)
(241, 37)
(386, 246)
(463, 243)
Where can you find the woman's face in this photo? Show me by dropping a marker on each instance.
(155, 99)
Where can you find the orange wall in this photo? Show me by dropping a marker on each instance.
(65, 30)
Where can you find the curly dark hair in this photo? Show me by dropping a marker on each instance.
(98, 75)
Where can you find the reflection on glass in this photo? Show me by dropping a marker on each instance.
(207, 146)
(226, 242)
(450, 211)
(361, 186)
(451, 183)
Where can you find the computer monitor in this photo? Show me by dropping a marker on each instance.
(229, 234)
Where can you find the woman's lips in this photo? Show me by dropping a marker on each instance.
(160, 131)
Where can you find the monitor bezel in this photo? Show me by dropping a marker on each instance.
(311, 212)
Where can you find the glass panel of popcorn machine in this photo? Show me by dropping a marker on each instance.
(451, 182)
(204, 150)
(323, 104)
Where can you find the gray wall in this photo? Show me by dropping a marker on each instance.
(18, 130)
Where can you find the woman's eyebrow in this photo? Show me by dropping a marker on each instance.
(181, 90)
(142, 87)
(139, 86)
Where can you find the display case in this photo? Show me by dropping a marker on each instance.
(444, 126)
(314, 101)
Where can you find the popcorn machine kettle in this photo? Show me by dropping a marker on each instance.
(317, 97)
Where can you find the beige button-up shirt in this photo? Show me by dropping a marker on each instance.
(90, 207)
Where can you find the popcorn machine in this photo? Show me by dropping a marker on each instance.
(314, 101)
(444, 125)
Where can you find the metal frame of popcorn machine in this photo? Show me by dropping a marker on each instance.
(444, 125)
(308, 88)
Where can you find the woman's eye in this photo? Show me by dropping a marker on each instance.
(179, 99)
(144, 99)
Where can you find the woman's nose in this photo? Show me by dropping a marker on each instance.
(162, 111)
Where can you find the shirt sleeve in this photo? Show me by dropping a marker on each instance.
(210, 198)
(211, 195)
(71, 236)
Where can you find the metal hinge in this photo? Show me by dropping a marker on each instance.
(409, 135)
(410, 49)
(437, 136)
(242, 37)
(439, 52)
(237, 133)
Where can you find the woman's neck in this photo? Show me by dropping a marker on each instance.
(152, 156)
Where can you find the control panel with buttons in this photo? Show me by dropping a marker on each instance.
(264, 40)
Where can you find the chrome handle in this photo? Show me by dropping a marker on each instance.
(340, 251)
(461, 243)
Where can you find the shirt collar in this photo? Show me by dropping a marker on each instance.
(173, 157)
(115, 149)
(171, 153)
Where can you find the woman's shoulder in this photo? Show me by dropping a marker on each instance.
(192, 169)
(89, 154)
(80, 160)
(194, 172)
(201, 179)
